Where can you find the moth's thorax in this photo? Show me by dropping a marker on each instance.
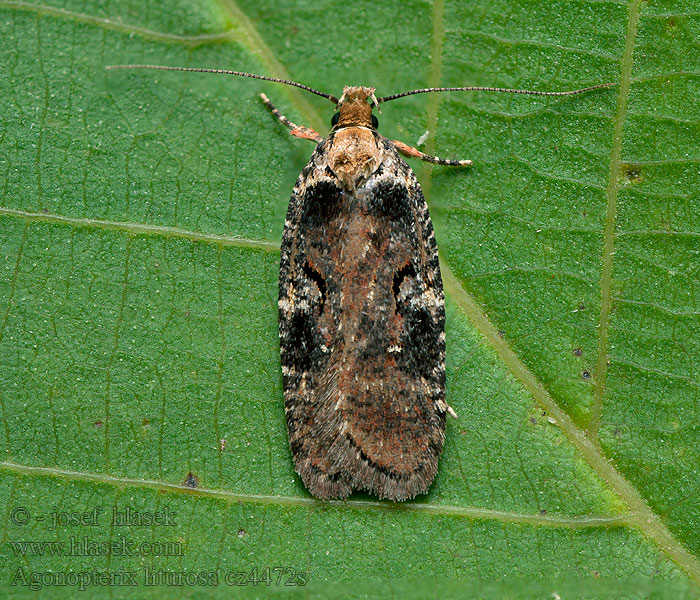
(354, 155)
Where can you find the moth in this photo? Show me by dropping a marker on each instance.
(361, 305)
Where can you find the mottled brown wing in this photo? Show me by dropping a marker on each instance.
(362, 319)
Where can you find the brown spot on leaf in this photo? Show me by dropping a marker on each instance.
(631, 173)
(673, 25)
(191, 480)
(578, 352)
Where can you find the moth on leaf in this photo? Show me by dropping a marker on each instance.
(361, 306)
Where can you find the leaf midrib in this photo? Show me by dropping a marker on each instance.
(551, 520)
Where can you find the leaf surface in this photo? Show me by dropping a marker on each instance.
(141, 213)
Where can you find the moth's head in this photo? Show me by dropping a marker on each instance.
(354, 109)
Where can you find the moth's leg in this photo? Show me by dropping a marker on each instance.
(305, 133)
(407, 150)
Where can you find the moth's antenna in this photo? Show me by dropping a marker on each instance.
(225, 72)
(493, 89)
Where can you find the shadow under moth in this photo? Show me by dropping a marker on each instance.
(361, 305)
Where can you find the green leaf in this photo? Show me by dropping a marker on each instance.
(141, 213)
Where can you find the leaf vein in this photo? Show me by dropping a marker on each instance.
(609, 233)
(133, 228)
(471, 513)
(644, 518)
(536, 43)
(53, 11)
